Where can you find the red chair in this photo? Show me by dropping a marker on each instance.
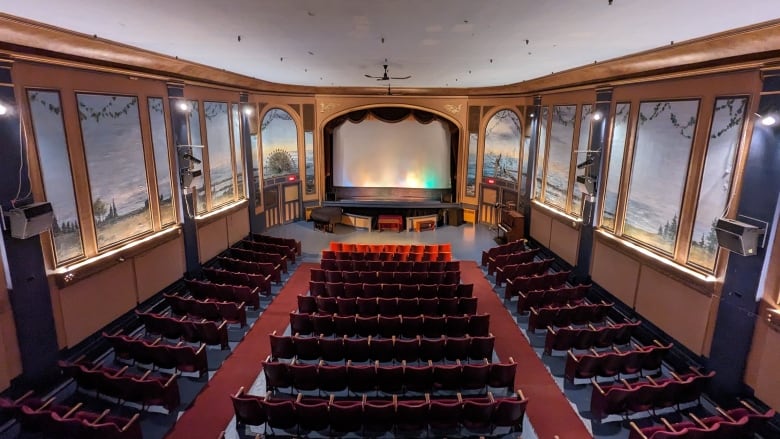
(378, 417)
(311, 415)
(411, 416)
(332, 378)
(345, 416)
(249, 410)
(356, 349)
(361, 379)
(478, 414)
(502, 375)
(444, 416)
(381, 349)
(389, 379)
(509, 412)
(281, 414)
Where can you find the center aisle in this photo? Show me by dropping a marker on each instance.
(550, 413)
(212, 410)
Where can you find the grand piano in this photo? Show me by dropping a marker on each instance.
(512, 223)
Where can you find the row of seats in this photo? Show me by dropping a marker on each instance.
(145, 390)
(291, 243)
(408, 307)
(389, 248)
(387, 379)
(180, 357)
(369, 417)
(386, 326)
(283, 250)
(69, 422)
(650, 394)
(741, 422)
(615, 362)
(393, 349)
(561, 316)
(519, 257)
(551, 296)
(567, 338)
(388, 277)
(243, 254)
(192, 331)
(390, 290)
(512, 271)
(271, 271)
(385, 257)
(509, 247)
(224, 285)
(210, 309)
(410, 266)
(546, 281)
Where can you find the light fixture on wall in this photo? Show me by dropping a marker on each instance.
(249, 109)
(183, 106)
(773, 319)
(767, 120)
(3, 109)
(597, 116)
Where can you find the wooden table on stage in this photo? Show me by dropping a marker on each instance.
(390, 222)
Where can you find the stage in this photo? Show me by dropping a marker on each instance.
(446, 213)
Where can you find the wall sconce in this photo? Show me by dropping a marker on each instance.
(3, 109)
(597, 116)
(249, 109)
(767, 120)
(183, 106)
(773, 319)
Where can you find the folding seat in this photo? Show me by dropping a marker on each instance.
(655, 355)
(318, 274)
(311, 414)
(332, 378)
(429, 291)
(333, 276)
(428, 306)
(361, 378)
(411, 326)
(376, 248)
(353, 289)
(407, 350)
(444, 417)
(344, 325)
(389, 266)
(386, 277)
(326, 305)
(457, 348)
(366, 325)
(467, 305)
(249, 410)
(334, 246)
(281, 414)
(583, 366)
(628, 363)
(447, 290)
(402, 277)
(448, 306)
(367, 306)
(502, 375)
(334, 289)
(345, 416)
(304, 376)
(356, 349)
(351, 276)
(389, 379)
(409, 291)
(433, 326)
(277, 375)
(509, 412)
(411, 417)
(389, 326)
(479, 325)
(388, 306)
(328, 264)
(405, 266)
(373, 266)
(481, 347)
(332, 348)
(477, 415)
(322, 324)
(609, 399)
(344, 255)
(456, 325)
(451, 277)
(372, 290)
(300, 323)
(464, 291)
(447, 377)
(346, 306)
(307, 348)
(475, 377)
(362, 248)
(378, 417)
(390, 290)
(380, 349)
(431, 266)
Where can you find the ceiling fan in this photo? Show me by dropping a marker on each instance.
(385, 76)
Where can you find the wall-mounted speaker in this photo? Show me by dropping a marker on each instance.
(738, 237)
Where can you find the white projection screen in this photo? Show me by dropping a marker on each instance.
(405, 154)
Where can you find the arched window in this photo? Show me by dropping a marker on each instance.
(279, 136)
(503, 138)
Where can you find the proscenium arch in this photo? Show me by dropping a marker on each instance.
(320, 137)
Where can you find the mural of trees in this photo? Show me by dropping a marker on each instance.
(502, 146)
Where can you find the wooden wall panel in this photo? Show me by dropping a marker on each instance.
(10, 357)
(96, 301)
(615, 272)
(761, 370)
(159, 267)
(212, 239)
(679, 310)
(564, 241)
(541, 224)
(237, 226)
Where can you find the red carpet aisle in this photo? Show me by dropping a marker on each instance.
(548, 409)
(211, 411)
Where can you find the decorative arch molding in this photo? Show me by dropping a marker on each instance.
(325, 107)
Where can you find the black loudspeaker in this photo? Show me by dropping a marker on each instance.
(454, 216)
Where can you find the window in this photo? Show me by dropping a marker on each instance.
(616, 149)
(49, 132)
(239, 156)
(161, 163)
(471, 166)
(723, 142)
(279, 136)
(541, 155)
(661, 154)
(556, 182)
(502, 147)
(113, 146)
(193, 124)
(308, 147)
(583, 144)
(220, 157)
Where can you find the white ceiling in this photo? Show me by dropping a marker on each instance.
(441, 43)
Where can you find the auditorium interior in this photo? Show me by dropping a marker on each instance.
(390, 219)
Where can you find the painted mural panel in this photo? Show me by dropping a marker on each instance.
(541, 154)
(308, 147)
(583, 144)
(615, 167)
(502, 147)
(111, 131)
(161, 161)
(661, 156)
(219, 151)
(279, 137)
(471, 166)
(556, 186)
(49, 132)
(239, 156)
